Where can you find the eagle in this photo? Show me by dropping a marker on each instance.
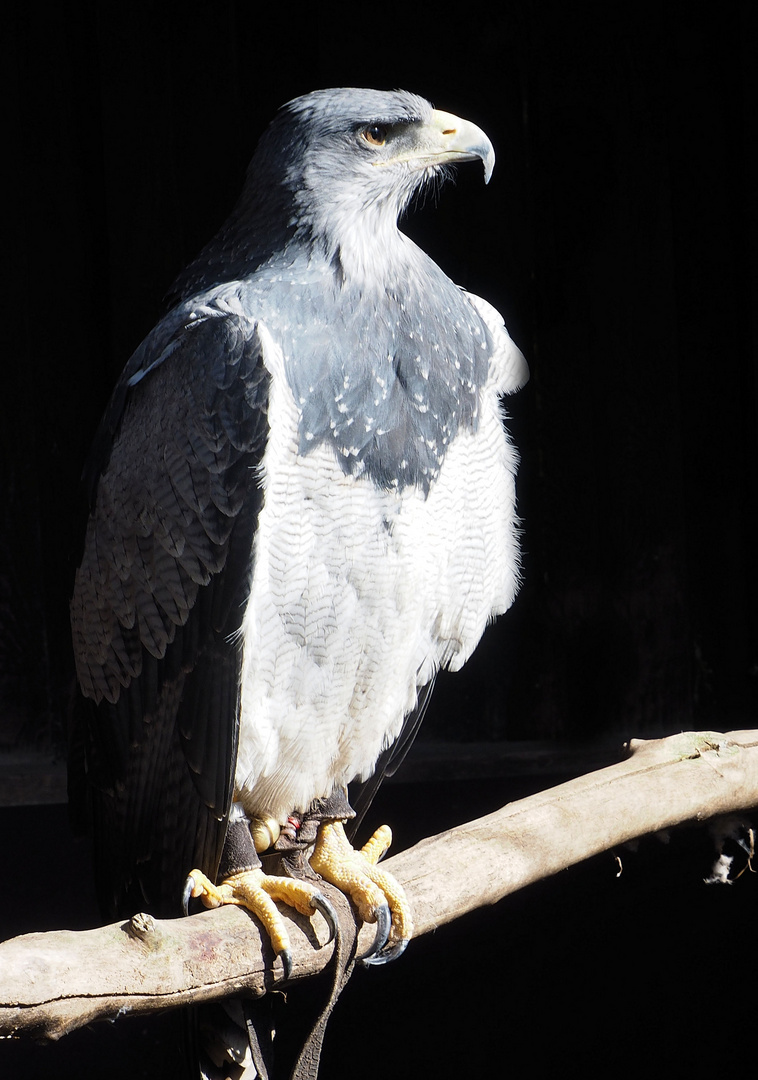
(301, 507)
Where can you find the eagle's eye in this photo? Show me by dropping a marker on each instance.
(375, 135)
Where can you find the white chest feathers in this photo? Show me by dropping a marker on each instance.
(359, 595)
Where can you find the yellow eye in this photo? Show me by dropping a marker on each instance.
(375, 135)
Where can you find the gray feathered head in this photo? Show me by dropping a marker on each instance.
(334, 168)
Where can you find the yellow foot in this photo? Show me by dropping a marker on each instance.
(257, 892)
(377, 895)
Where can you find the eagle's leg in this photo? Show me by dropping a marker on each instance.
(377, 895)
(244, 883)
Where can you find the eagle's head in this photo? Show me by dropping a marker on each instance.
(348, 161)
(331, 175)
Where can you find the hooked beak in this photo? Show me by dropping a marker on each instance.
(447, 139)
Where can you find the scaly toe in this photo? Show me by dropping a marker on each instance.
(256, 891)
(377, 895)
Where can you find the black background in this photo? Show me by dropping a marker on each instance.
(618, 239)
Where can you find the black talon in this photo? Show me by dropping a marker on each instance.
(387, 955)
(326, 908)
(383, 926)
(189, 885)
(286, 958)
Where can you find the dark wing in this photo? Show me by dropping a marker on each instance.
(158, 601)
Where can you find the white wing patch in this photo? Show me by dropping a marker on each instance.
(508, 368)
(358, 595)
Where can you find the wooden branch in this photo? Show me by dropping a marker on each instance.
(55, 982)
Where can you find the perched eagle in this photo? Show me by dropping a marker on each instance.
(302, 507)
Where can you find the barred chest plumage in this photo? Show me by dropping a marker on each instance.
(359, 592)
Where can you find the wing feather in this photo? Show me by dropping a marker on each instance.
(159, 598)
